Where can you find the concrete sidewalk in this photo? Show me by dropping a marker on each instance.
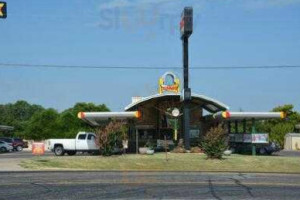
(11, 161)
(11, 164)
(287, 153)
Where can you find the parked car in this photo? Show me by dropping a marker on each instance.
(84, 142)
(269, 149)
(17, 143)
(5, 147)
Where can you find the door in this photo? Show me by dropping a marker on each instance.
(91, 141)
(81, 142)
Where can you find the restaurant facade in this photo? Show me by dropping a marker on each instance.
(158, 118)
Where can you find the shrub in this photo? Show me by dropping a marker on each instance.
(180, 147)
(149, 145)
(214, 144)
(178, 150)
(196, 150)
(110, 136)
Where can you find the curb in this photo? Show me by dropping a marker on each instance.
(135, 171)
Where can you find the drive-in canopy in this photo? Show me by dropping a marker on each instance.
(96, 118)
(231, 116)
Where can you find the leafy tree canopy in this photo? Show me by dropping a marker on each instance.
(278, 128)
(35, 122)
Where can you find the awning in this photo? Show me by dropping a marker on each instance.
(209, 104)
(231, 116)
(97, 118)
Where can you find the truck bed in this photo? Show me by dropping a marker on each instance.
(68, 144)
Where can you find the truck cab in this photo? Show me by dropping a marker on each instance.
(85, 141)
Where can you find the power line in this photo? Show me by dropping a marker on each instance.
(22, 65)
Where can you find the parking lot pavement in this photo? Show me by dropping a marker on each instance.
(22, 154)
(10, 161)
(287, 153)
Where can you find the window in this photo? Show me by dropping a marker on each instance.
(8, 140)
(82, 137)
(194, 133)
(91, 137)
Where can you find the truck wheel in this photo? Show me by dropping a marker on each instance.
(59, 151)
(71, 153)
(19, 148)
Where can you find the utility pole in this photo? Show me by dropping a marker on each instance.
(186, 29)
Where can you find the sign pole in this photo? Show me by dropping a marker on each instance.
(186, 29)
(186, 108)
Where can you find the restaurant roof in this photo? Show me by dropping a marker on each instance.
(209, 104)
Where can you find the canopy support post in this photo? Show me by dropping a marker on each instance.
(253, 130)
(137, 140)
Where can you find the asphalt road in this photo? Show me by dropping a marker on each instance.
(147, 185)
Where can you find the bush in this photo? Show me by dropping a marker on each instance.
(111, 137)
(196, 150)
(180, 147)
(214, 144)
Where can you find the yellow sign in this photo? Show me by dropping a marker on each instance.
(2, 9)
(38, 148)
(168, 83)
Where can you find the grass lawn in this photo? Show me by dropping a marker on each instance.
(176, 162)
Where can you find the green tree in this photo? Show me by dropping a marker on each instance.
(35, 122)
(43, 125)
(278, 128)
(17, 115)
(279, 131)
(69, 123)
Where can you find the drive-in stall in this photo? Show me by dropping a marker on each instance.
(153, 117)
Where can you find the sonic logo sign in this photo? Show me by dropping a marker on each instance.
(38, 148)
(168, 83)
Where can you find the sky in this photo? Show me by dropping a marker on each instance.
(144, 33)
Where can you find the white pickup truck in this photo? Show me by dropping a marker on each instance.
(84, 142)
